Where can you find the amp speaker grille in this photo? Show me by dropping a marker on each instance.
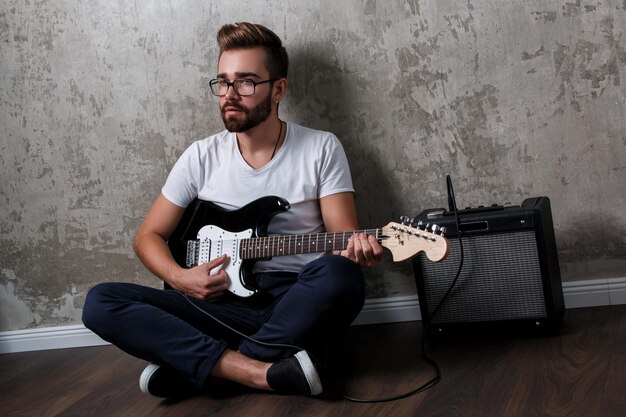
(500, 280)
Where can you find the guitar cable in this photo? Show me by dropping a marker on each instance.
(435, 379)
(232, 329)
(427, 385)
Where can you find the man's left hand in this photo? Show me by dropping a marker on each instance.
(363, 250)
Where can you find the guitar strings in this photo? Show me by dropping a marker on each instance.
(275, 245)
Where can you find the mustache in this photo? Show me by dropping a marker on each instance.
(233, 105)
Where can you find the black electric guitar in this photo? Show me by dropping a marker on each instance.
(206, 231)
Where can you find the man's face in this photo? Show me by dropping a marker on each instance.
(242, 113)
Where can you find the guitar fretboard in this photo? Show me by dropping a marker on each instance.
(268, 246)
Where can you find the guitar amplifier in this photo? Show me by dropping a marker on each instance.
(510, 280)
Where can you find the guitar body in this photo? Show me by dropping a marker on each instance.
(251, 220)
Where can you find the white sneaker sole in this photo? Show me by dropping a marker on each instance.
(310, 373)
(144, 379)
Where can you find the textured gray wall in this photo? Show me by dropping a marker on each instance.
(97, 99)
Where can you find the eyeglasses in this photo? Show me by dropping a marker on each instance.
(242, 86)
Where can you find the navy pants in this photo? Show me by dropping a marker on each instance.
(310, 310)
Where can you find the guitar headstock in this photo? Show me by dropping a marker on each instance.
(405, 241)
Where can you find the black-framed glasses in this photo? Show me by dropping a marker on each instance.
(242, 86)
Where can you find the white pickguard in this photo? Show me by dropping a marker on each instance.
(215, 242)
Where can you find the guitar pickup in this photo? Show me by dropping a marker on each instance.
(192, 253)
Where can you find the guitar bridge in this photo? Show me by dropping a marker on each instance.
(192, 253)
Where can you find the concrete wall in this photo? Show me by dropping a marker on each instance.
(514, 99)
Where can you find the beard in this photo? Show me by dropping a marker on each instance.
(253, 117)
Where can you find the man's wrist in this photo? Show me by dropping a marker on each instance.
(174, 276)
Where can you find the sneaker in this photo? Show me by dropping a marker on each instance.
(163, 382)
(295, 375)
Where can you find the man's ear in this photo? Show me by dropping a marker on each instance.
(280, 90)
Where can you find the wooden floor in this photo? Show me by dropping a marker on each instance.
(581, 372)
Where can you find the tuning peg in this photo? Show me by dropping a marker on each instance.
(420, 225)
(404, 220)
(443, 231)
(434, 228)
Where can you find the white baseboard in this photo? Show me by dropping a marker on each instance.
(389, 310)
(577, 294)
(593, 293)
(48, 338)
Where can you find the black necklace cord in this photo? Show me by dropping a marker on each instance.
(280, 132)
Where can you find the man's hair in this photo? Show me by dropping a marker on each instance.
(246, 35)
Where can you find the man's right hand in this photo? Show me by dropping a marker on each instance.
(151, 247)
(198, 282)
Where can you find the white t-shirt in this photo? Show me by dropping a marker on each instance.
(310, 164)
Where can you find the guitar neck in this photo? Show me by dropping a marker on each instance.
(268, 246)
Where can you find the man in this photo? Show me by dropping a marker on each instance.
(305, 301)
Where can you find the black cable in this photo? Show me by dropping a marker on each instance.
(432, 382)
(452, 203)
(232, 329)
(429, 384)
